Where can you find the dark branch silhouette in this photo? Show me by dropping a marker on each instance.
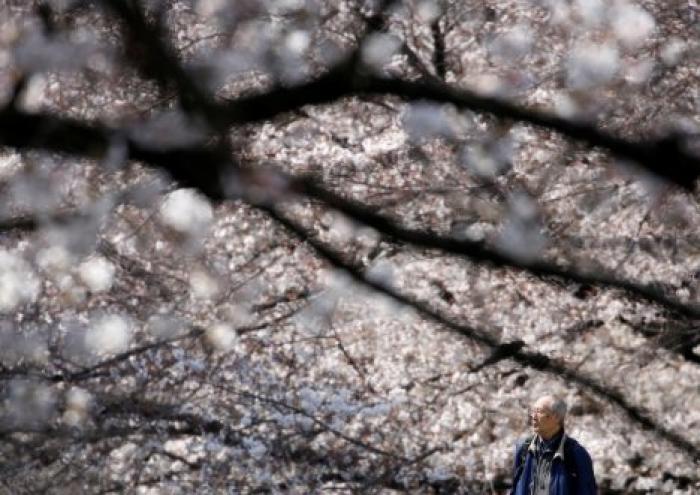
(667, 158)
(208, 181)
(215, 171)
(212, 170)
(499, 350)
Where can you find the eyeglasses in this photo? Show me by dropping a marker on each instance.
(540, 413)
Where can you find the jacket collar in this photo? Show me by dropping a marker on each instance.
(560, 449)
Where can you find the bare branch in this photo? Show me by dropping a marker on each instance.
(503, 350)
(68, 136)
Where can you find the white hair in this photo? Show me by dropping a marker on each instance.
(557, 406)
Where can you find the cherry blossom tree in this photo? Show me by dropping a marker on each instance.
(294, 246)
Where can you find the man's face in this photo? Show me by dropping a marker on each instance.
(544, 422)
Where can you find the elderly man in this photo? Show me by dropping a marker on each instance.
(550, 462)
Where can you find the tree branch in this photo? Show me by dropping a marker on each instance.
(214, 169)
(666, 158)
(503, 350)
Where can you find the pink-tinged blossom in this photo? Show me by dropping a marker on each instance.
(591, 11)
(108, 334)
(165, 326)
(513, 44)
(428, 11)
(423, 121)
(20, 346)
(18, 283)
(28, 404)
(203, 285)
(673, 50)
(631, 24)
(97, 273)
(592, 65)
(521, 236)
(378, 50)
(221, 336)
(187, 212)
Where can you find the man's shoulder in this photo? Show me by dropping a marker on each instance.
(523, 443)
(575, 447)
(573, 443)
(526, 440)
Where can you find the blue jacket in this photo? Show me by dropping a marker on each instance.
(573, 476)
